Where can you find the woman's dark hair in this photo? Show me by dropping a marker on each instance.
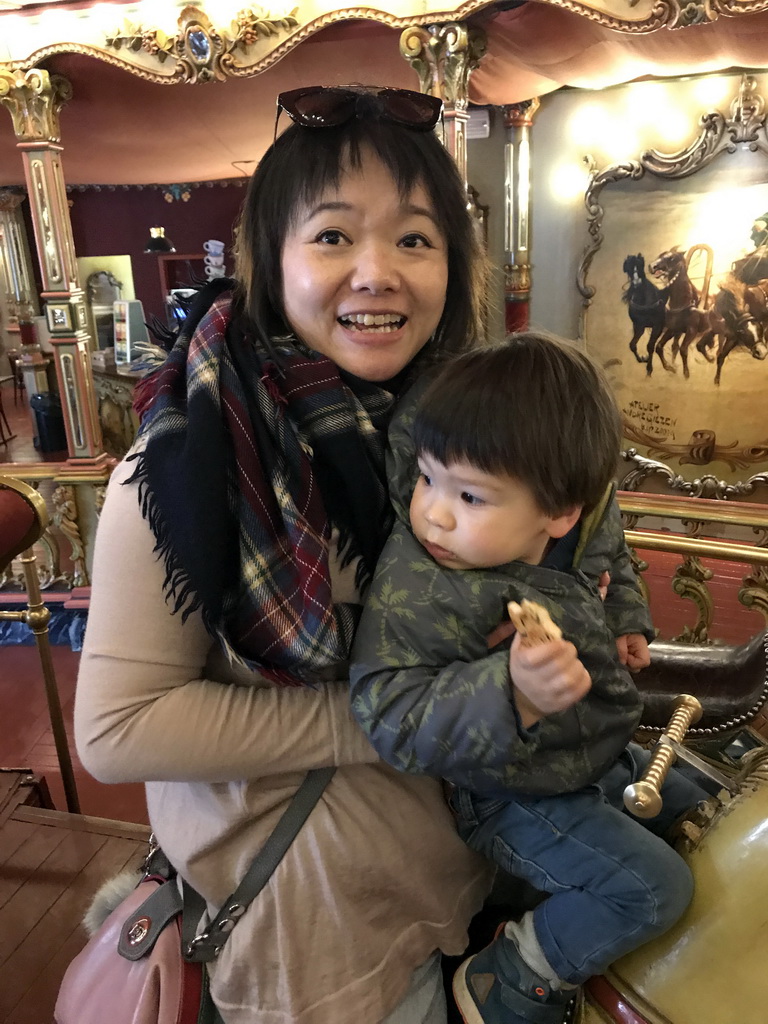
(303, 163)
(535, 408)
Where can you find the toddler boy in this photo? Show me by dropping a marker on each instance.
(516, 447)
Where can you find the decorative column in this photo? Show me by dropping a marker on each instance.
(444, 56)
(34, 99)
(16, 280)
(518, 119)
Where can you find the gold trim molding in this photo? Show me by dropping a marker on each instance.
(203, 50)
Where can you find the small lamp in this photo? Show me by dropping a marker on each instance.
(157, 241)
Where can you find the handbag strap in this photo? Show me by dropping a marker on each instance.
(205, 947)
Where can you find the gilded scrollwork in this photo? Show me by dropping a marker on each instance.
(754, 591)
(690, 583)
(202, 52)
(631, 169)
(705, 486)
(639, 566)
(444, 56)
(676, 14)
(47, 565)
(746, 126)
(34, 99)
(65, 517)
(118, 425)
(754, 588)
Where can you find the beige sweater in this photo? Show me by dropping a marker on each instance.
(376, 880)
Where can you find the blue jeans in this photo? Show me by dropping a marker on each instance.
(612, 882)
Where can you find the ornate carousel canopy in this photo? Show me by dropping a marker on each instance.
(133, 118)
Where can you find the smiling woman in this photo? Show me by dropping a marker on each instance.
(343, 256)
(259, 477)
(367, 280)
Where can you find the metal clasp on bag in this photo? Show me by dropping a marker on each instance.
(153, 847)
(138, 931)
(206, 943)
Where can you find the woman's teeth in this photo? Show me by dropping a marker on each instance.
(382, 323)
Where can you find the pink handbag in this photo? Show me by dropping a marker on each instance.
(159, 988)
(145, 964)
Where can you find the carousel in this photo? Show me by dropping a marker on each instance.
(615, 155)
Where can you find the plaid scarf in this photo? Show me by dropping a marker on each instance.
(246, 466)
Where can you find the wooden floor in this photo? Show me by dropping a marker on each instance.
(51, 863)
(26, 740)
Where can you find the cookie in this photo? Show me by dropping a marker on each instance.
(533, 623)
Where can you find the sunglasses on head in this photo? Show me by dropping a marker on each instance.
(319, 106)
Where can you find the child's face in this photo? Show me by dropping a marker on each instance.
(468, 519)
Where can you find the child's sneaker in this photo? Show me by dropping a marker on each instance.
(496, 986)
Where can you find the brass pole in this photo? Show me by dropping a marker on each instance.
(37, 617)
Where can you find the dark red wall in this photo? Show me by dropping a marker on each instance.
(117, 223)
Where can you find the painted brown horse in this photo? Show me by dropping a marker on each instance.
(737, 319)
(684, 320)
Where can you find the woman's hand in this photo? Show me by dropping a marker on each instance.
(546, 678)
(633, 651)
(500, 634)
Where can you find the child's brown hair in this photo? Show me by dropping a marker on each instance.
(535, 408)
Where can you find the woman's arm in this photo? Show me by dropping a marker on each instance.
(143, 711)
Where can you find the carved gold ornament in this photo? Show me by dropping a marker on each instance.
(34, 99)
(705, 486)
(202, 52)
(444, 56)
(65, 517)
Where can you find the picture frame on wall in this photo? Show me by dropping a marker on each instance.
(674, 285)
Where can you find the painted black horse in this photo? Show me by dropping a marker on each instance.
(645, 304)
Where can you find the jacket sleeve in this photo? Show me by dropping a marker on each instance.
(424, 688)
(626, 609)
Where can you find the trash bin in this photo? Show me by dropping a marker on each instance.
(51, 436)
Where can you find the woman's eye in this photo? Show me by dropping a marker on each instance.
(415, 241)
(427, 479)
(331, 237)
(471, 499)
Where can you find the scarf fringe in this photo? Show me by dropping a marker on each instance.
(348, 550)
(177, 586)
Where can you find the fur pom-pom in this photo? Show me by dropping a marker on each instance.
(108, 897)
